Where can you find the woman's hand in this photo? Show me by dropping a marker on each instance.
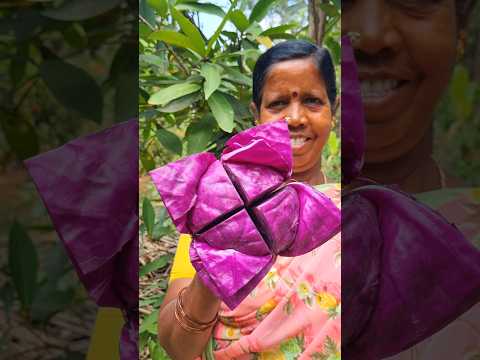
(200, 304)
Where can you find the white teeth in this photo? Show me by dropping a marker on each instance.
(298, 142)
(377, 88)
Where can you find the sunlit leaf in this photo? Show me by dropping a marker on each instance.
(201, 7)
(173, 38)
(154, 265)
(160, 5)
(164, 96)
(148, 216)
(260, 10)
(190, 30)
(212, 75)
(239, 20)
(222, 111)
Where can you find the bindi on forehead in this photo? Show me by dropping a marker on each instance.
(295, 94)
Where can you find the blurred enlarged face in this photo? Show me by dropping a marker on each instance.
(295, 88)
(405, 53)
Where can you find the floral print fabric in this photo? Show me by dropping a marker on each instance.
(294, 313)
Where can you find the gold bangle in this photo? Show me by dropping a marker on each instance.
(185, 321)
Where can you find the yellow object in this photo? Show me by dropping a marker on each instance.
(182, 267)
(105, 341)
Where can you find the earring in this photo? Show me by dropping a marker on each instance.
(288, 118)
(462, 39)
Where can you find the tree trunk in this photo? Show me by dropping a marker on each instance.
(316, 21)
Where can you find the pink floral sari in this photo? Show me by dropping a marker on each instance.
(294, 313)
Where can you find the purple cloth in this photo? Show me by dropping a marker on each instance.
(90, 189)
(406, 272)
(353, 129)
(243, 210)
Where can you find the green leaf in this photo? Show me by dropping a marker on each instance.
(190, 30)
(76, 10)
(18, 65)
(170, 141)
(164, 96)
(180, 103)
(222, 111)
(201, 7)
(20, 135)
(49, 300)
(199, 135)
(333, 143)
(329, 9)
(238, 18)
(220, 27)
(459, 91)
(23, 264)
(212, 75)
(260, 10)
(154, 265)
(73, 87)
(237, 77)
(147, 14)
(147, 162)
(158, 353)
(76, 36)
(153, 60)
(173, 38)
(160, 5)
(149, 323)
(278, 30)
(148, 216)
(126, 103)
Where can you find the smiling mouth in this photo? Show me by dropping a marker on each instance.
(378, 89)
(298, 142)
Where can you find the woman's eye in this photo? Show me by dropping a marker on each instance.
(314, 101)
(277, 104)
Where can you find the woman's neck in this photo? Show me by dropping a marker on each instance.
(414, 172)
(313, 176)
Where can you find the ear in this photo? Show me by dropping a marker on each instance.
(255, 112)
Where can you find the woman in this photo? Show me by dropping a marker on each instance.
(294, 80)
(405, 53)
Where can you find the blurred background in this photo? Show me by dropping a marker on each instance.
(196, 61)
(68, 68)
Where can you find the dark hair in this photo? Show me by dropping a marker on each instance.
(289, 50)
(464, 8)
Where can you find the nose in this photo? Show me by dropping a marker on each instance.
(375, 21)
(296, 117)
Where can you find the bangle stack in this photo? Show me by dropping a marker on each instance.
(186, 322)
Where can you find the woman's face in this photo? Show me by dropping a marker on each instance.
(295, 89)
(405, 53)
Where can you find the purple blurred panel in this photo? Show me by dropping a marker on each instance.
(353, 127)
